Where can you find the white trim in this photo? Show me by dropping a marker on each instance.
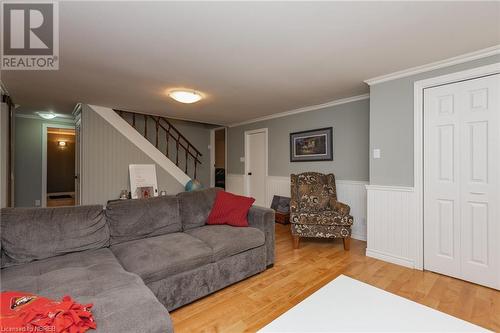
(212, 153)
(247, 158)
(419, 87)
(390, 188)
(45, 126)
(490, 51)
(59, 119)
(141, 142)
(390, 258)
(304, 109)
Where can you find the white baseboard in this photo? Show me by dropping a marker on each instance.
(390, 258)
(350, 192)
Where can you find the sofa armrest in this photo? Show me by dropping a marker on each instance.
(263, 219)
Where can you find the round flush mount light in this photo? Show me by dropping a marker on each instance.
(61, 144)
(185, 96)
(47, 115)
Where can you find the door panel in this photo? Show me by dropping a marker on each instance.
(256, 166)
(441, 186)
(480, 186)
(461, 180)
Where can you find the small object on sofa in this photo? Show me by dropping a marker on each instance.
(193, 185)
(230, 209)
(24, 312)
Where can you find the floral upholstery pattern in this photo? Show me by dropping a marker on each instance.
(321, 231)
(314, 209)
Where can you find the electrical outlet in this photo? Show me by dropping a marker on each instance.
(37, 203)
(376, 153)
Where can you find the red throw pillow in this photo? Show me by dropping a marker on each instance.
(230, 209)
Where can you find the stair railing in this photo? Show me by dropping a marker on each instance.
(165, 130)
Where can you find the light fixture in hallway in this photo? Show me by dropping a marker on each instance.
(185, 96)
(47, 115)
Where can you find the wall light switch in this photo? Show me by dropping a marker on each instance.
(37, 203)
(242, 159)
(376, 153)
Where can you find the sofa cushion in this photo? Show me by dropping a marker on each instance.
(122, 303)
(230, 209)
(196, 206)
(158, 257)
(29, 234)
(226, 241)
(141, 218)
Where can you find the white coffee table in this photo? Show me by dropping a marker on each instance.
(348, 305)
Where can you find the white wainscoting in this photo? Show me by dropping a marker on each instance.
(350, 192)
(234, 183)
(391, 224)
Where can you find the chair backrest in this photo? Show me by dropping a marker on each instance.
(313, 190)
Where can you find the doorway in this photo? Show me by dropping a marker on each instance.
(218, 160)
(256, 163)
(58, 164)
(461, 196)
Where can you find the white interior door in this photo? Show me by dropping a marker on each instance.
(256, 165)
(461, 180)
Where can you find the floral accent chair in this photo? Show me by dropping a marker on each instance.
(315, 211)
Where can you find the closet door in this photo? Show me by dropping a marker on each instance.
(480, 197)
(461, 180)
(442, 180)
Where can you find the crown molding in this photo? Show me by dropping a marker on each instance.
(55, 120)
(490, 51)
(304, 109)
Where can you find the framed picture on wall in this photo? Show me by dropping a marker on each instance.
(312, 145)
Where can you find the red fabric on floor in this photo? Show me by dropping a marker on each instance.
(23, 312)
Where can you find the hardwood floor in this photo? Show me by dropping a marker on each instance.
(253, 303)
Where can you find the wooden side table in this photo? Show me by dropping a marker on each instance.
(282, 218)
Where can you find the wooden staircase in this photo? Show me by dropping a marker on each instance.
(166, 138)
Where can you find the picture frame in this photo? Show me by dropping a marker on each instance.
(312, 145)
(143, 183)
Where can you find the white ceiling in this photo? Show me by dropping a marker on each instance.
(250, 59)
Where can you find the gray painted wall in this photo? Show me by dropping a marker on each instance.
(28, 160)
(106, 155)
(391, 124)
(350, 124)
(4, 150)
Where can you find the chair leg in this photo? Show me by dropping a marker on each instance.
(296, 241)
(347, 243)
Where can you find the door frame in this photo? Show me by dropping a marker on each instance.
(418, 136)
(246, 179)
(45, 126)
(212, 153)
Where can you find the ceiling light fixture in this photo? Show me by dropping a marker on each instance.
(185, 96)
(47, 115)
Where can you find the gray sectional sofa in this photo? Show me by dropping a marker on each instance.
(135, 260)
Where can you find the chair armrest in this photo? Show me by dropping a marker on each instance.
(341, 208)
(294, 206)
(263, 219)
